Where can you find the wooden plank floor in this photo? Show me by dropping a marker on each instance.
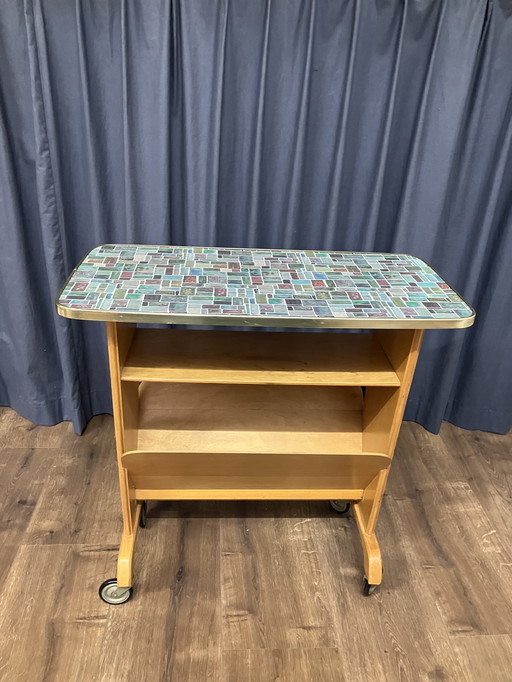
(254, 591)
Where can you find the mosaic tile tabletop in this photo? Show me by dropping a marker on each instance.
(260, 287)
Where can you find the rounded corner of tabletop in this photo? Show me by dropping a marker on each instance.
(260, 287)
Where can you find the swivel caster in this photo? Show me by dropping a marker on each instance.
(367, 588)
(143, 515)
(112, 594)
(340, 506)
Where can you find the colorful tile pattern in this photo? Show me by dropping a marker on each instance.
(247, 283)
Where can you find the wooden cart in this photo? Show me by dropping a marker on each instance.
(251, 414)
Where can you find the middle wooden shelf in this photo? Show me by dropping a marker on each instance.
(247, 441)
(238, 357)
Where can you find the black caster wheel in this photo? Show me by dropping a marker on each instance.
(143, 515)
(112, 594)
(340, 506)
(368, 589)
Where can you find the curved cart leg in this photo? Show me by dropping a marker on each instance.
(125, 556)
(383, 411)
(371, 553)
(118, 590)
(366, 513)
(125, 400)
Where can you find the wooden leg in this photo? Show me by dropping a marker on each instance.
(371, 552)
(125, 406)
(125, 556)
(382, 416)
(366, 513)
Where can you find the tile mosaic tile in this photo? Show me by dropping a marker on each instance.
(246, 283)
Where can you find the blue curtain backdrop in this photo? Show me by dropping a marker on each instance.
(335, 124)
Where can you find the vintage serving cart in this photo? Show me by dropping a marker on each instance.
(252, 414)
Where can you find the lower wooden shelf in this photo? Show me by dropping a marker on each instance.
(245, 488)
(249, 442)
(250, 486)
(258, 419)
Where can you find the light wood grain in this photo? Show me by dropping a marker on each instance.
(384, 407)
(254, 476)
(240, 590)
(129, 394)
(353, 468)
(173, 632)
(258, 419)
(382, 418)
(249, 487)
(462, 545)
(380, 407)
(51, 499)
(402, 349)
(18, 432)
(302, 665)
(256, 556)
(243, 488)
(51, 620)
(372, 557)
(124, 573)
(257, 358)
(488, 657)
(118, 340)
(225, 471)
(403, 635)
(23, 475)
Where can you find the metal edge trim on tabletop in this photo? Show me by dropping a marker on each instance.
(240, 320)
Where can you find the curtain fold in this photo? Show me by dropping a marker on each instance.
(340, 124)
